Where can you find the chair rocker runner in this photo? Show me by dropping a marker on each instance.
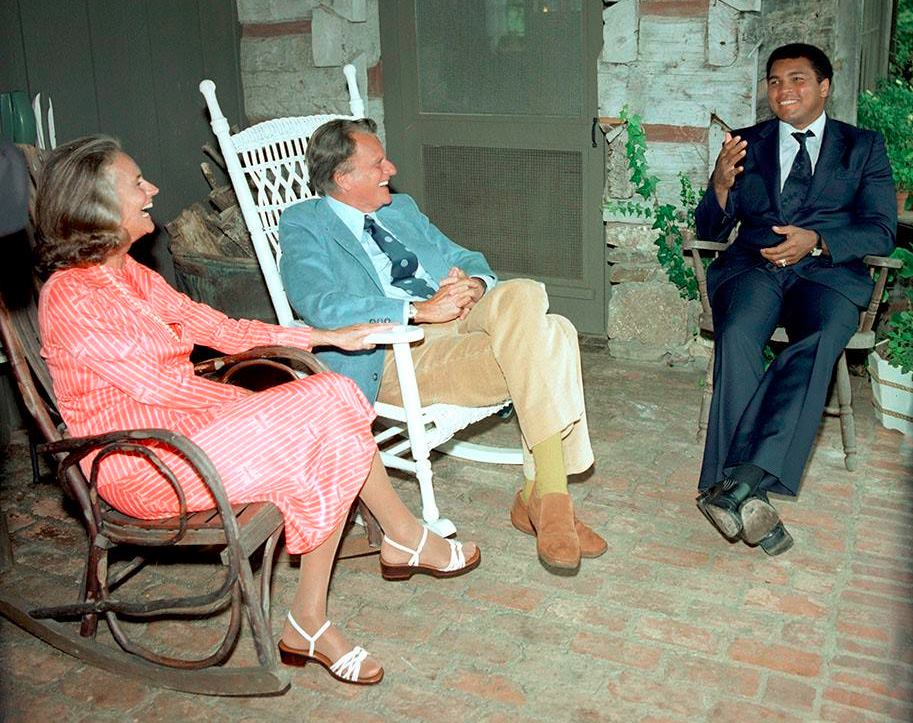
(270, 158)
(240, 530)
(864, 338)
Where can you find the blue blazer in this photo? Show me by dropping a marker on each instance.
(851, 203)
(331, 282)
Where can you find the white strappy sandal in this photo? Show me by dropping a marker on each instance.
(345, 669)
(458, 564)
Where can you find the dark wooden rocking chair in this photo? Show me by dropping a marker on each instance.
(239, 530)
(841, 402)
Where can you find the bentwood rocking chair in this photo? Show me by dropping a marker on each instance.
(266, 164)
(240, 531)
(841, 402)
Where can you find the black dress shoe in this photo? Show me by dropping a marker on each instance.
(720, 504)
(759, 518)
(777, 541)
(738, 509)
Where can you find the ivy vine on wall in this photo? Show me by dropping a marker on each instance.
(670, 221)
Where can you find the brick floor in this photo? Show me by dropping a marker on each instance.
(672, 624)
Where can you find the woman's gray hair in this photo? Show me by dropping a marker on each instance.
(77, 213)
(330, 148)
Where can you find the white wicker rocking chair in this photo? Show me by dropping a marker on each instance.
(270, 158)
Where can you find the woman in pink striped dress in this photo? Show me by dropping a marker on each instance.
(117, 340)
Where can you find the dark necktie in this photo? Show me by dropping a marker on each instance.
(403, 262)
(800, 178)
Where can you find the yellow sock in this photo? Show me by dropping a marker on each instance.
(527, 490)
(549, 460)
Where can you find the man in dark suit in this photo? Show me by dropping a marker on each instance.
(811, 196)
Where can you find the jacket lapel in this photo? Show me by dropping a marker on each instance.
(768, 155)
(344, 238)
(832, 149)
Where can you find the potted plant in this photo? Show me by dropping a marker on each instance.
(891, 362)
(889, 110)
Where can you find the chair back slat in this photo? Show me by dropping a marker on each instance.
(21, 343)
(275, 168)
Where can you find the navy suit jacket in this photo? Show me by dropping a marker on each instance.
(331, 282)
(851, 203)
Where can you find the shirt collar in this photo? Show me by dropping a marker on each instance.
(816, 127)
(353, 219)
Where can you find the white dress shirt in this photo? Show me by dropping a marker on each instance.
(789, 146)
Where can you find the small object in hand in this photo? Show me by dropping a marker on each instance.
(782, 262)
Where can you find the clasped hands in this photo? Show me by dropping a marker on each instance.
(456, 295)
(454, 299)
(798, 242)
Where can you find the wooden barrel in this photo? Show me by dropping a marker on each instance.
(234, 286)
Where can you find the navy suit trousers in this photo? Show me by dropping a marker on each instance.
(770, 417)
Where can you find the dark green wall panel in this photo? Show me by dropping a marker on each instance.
(124, 92)
(58, 56)
(12, 56)
(130, 68)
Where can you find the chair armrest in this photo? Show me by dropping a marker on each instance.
(257, 353)
(72, 450)
(397, 335)
(692, 248)
(878, 268)
(882, 261)
(700, 245)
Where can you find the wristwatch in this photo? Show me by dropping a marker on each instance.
(818, 248)
(413, 312)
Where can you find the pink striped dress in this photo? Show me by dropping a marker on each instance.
(117, 344)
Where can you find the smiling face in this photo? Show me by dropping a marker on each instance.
(363, 181)
(794, 92)
(135, 195)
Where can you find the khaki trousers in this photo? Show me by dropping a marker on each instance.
(507, 346)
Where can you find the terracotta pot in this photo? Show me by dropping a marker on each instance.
(902, 201)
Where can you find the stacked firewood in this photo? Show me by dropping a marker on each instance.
(213, 227)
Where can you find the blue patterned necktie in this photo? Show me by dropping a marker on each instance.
(800, 178)
(404, 263)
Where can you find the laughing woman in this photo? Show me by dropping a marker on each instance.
(117, 339)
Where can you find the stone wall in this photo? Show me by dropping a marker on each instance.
(292, 53)
(676, 62)
(676, 65)
(687, 67)
(835, 26)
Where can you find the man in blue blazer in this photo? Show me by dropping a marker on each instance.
(362, 254)
(811, 197)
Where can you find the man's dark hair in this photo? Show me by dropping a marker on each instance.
(330, 148)
(815, 56)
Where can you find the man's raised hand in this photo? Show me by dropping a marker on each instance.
(728, 167)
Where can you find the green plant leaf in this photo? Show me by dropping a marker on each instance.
(669, 220)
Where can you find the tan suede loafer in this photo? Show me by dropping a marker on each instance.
(591, 543)
(552, 517)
